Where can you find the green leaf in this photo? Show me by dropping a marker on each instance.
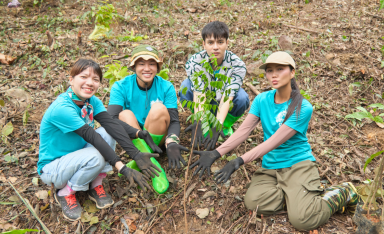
(8, 203)
(359, 115)
(266, 55)
(8, 158)
(25, 117)
(20, 231)
(85, 217)
(381, 4)
(90, 206)
(371, 158)
(362, 109)
(378, 119)
(377, 105)
(2, 103)
(232, 157)
(94, 220)
(164, 74)
(7, 129)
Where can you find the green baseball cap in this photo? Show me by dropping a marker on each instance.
(146, 52)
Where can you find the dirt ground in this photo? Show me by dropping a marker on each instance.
(338, 48)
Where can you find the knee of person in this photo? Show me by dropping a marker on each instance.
(242, 97)
(300, 224)
(125, 113)
(158, 111)
(97, 161)
(249, 202)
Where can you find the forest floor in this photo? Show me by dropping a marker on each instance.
(338, 48)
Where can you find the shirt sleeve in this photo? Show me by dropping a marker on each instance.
(116, 131)
(66, 118)
(300, 124)
(174, 125)
(237, 78)
(170, 100)
(92, 137)
(191, 67)
(117, 96)
(97, 105)
(255, 106)
(240, 135)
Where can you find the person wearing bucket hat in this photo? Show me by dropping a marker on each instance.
(148, 102)
(215, 41)
(289, 178)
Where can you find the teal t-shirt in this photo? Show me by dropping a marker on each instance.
(57, 136)
(126, 93)
(272, 115)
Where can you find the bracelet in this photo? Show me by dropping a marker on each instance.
(172, 138)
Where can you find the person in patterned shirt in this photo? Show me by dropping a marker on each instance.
(215, 41)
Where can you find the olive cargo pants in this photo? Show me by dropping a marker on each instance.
(298, 187)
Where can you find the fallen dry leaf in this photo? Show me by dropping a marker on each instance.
(42, 194)
(219, 214)
(202, 213)
(380, 125)
(6, 59)
(209, 194)
(12, 179)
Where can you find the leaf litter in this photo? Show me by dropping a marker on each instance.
(338, 49)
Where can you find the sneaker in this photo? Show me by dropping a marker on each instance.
(102, 199)
(70, 206)
(13, 4)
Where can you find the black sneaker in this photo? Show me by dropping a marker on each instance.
(70, 206)
(102, 199)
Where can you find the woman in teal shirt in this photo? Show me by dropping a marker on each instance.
(75, 157)
(289, 178)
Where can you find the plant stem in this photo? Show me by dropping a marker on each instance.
(186, 178)
(30, 208)
(375, 186)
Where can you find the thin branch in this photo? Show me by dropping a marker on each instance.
(303, 29)
(31, 210)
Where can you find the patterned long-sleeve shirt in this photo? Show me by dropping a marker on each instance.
(234, 68)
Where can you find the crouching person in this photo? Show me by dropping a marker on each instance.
(75, 157)
(148, 103)
(215, 41)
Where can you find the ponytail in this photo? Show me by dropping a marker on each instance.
(296, 99)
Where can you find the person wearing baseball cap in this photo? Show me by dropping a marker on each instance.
(288, 178)
(148, 103)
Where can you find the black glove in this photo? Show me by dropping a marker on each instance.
(148, 139)
(133, 175)
(210, 143)
(224, 174)
(205, 161)
(174, 155)
(143, 161)
(199, 135)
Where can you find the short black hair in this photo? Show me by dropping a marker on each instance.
(82, 64)
(217, 29)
